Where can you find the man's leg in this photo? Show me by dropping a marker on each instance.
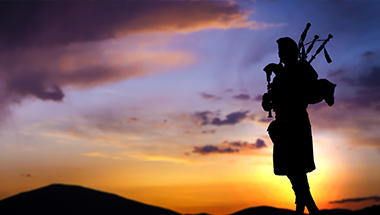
(300, 208)
(302, 191)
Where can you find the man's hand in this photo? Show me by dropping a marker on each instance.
(266, 103)
(266, 97)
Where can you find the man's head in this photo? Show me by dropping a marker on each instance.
(287, 49)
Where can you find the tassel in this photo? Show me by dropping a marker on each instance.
(328, 59)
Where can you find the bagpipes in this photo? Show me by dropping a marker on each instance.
(301, 46)
(323, 89)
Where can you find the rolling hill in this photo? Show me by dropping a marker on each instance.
(59, 199)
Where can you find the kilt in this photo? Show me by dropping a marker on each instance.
(292, 146)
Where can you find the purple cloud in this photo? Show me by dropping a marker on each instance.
(265, 119)
(207, 118)
(244, 144)
(209, 96)
(204, 150)
(258, 98)
(210, 131)
(203, 117)
(46, 46)
(62, 23)
(369, 53)
(35, 85)
(231, 119)
(242, 97)
(367, 87)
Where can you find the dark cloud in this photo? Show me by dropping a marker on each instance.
(375, 198)
(369, 53)
(357, 102)
(231, 119)
(35, 85)
(207, 118)
(62, 23)
(204, 150)
(229, 147)
(365, 98)
(46, 46)
(371, 80)
(209, 96)
(367, 87)
(265, 119)
(244, 144)
(242, 97)
(42, 74)
(229, 90)
(260, 143)
(358, 84)
(203, 117)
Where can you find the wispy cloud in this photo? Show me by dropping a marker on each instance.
(228, 147)
(244, 144)
(209, 96)
(137, 156)
(209, 131)
(231, 119)
(265, 119)
(242, 97)
(133, 119)
(165, 158)
(40, 24)
(210, 118)
(370, 53)
(119, 156)
(202, 117)
(368, 89)
(360, 199)
(258, 98)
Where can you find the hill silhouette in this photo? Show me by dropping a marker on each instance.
(59, 199)
(264, 210)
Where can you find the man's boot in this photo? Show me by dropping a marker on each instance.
(310, 204)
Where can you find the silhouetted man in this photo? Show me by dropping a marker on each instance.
(291, 130)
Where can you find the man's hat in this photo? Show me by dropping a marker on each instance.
(287, 43)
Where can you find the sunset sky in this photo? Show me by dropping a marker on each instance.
(160, 101)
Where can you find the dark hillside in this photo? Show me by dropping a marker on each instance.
(58, 199)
